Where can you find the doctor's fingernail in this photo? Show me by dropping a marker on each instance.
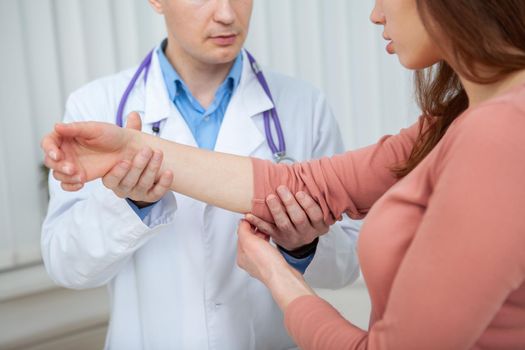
(284, 192)
(300, 195)
(157, 156)
(146, 153)
(271, 198)
(66, 169)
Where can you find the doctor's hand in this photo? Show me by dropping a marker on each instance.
(298, 219)
(263, 261)
(139, 180)
(84, 151)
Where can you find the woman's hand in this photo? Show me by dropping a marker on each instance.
(84, 151)
(263, 261)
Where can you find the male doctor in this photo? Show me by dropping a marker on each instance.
(169, 261)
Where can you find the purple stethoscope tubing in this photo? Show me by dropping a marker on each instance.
(279, 151)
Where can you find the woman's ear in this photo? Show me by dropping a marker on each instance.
(157, 6)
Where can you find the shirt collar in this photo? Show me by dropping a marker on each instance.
(174, 83)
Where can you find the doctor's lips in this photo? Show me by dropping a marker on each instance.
(224, 39)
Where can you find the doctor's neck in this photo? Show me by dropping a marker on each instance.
(202, 78)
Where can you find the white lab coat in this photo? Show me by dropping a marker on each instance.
(173, 280)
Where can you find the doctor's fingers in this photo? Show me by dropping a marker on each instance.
(295, 212)
(113, 177)
(130, 180)
(314, 212)
(150, 174)
(161, 187)
(138, 166)
(280, 216)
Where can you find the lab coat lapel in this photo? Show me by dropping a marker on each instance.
(240, 133)
(159, 107)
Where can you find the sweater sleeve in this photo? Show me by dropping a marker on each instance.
(466, 257)
(350, 182)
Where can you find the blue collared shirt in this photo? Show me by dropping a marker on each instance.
(206, 123)
(203, 123)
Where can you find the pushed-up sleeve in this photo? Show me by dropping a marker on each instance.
(347, 183)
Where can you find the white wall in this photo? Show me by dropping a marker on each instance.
(51, 47)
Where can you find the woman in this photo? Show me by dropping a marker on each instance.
(442, 247)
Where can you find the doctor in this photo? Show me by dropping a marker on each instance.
(169, 261)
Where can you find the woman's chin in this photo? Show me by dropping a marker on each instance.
(415, 62)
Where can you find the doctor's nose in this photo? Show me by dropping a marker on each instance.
(224, 12)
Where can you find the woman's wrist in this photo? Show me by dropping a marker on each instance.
(134, 143)
(286, 285)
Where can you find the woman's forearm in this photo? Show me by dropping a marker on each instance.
(220, 179)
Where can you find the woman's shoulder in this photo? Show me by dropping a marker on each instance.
(502, 117)
(495, 127)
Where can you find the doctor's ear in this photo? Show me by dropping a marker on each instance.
(157, 6)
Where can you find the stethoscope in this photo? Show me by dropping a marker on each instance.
(278, 152)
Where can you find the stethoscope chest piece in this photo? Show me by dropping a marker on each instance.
(282, 158)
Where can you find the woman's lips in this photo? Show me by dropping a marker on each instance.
(390, 48)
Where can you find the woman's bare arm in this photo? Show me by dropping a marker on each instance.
(81, 152)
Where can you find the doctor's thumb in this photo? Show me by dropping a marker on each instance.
(133, 121)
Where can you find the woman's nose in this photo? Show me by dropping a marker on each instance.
(377, 16)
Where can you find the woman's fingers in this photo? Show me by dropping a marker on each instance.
(261, 225)
(50, 144)
(313, 210)
(68, 171)
(69, 179)
(85, 130)
(71, 187)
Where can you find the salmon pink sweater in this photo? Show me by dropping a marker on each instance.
(442, 250)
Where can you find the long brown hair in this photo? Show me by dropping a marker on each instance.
(474, 34)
